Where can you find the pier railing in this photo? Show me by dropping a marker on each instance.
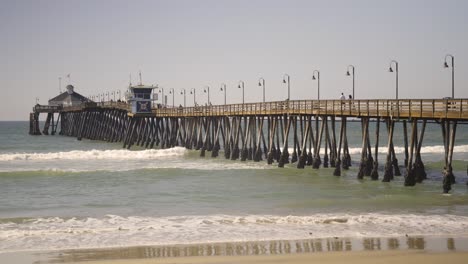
(47, 108)
(417, 108)
(405, 108)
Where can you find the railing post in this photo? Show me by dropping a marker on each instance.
(421, 107)
(461, 108)
(359, 107)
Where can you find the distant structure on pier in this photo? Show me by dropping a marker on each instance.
(68, 98)
(140, 99)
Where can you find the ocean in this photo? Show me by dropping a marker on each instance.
(57, 193)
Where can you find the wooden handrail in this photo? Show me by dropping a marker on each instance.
(404, 108)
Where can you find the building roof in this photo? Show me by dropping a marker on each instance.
(68, 96)
(74, 96)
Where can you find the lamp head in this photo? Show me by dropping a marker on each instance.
(191, 92)
(259, 84)
(313, 77)
(239, 86)
(347, 73)
(446, 65)
(390, 69)
(204, 90)
(284, 80)
(221, 89)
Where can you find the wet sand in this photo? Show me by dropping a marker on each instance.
(354, 257)
(328, 250)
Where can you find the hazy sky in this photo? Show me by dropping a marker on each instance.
(192, 44)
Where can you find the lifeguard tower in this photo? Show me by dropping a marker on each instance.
(140, 99)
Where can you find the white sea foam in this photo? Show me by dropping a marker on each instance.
(112, 230)
(123, 154)
(120, 154)
(401, 150)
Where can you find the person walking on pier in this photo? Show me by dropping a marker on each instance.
(342, 97)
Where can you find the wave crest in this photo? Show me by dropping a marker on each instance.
(120, 154)
(113, 230)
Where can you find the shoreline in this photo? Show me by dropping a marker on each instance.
(296, 251)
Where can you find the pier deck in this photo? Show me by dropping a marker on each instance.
(408, 108)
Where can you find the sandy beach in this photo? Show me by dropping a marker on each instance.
(351, 257)
(330, 250)
(362, 257)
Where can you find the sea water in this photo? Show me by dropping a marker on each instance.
(60, 193)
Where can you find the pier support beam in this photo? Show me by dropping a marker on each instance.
(449, 132)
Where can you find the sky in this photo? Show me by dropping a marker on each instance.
(193, 44)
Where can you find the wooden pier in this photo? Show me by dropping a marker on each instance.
(262, 131)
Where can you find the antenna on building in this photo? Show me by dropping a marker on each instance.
(141, 83)
(69, 79)
(130, 83)
(60, 84)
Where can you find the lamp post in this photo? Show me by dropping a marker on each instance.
(171, 91)
(223, 88)
(318, 82)
(192, 91)
(118, 92)
(207, 91)
(261, 82)
(453, 72)
(390, 69)
(183, 92)
(289, 83)
(242, 86)
(161, 90)
(348, 73)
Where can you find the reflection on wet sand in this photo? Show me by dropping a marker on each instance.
(258, 248)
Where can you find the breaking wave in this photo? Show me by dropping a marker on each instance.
(120, 154)
(113, 230)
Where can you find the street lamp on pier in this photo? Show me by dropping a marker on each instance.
(242, 86)
(390, 69)
(348, 73)
(183, 92)
(192, 91)
(223, 88)
(207, 91)
(286, 77)
(171, 91)
(446, 65)
(318, 82)
(261, 82)
(161, 90)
